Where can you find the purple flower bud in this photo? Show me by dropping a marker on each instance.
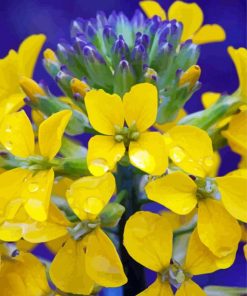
(92, 55)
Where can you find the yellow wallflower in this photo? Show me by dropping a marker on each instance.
(89, 258)
(12, 67)
(30, 186)
(107, 114)
(148, 239)
(217, 225)
(23, 275)
(191, 16)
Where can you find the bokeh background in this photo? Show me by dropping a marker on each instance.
(20, 18)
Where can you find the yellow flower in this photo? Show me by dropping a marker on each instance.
(236, 133)
(23, 275)
(107, 114)
(22, 226)
(217, 225)
(88, 258)
(191, 16)
(190, 148)
(12, 67)
(30, 186)
(148, 239)
(239, 58)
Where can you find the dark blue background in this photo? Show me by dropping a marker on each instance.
(18, 19)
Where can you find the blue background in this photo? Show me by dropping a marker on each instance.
(18, 19)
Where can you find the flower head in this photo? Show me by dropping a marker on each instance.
(31, 184)
(148, 239)
(88, 257)
(107, 114)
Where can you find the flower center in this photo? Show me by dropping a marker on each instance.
(126, 134)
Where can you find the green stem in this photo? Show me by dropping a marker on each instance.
(133, 270)
(225, 106)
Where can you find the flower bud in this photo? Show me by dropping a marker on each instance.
(190, 77)
(31, 88)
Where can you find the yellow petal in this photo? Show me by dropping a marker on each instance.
(9, 77)
(233, 190)
(88, 195)
(25, 246)
(167, 126)
(103, 154)
(239, 58)
(158, 289)
(67, 270)
(103, 264)
(16, 134)
(215, 168)
(141, 106)
(36, 193)
(199, 259)
(148, 240)
(209, 98)
(105, 111)
(10, 233)
(152, 8)
(55, 227)
(209, 33)
(11, 183)
(236, 133)
(149, 153)
(192, 150)
(28, 53)
(189, 14)
(190, 288)
(26, 270)
(7, 287)
(217, 229)
(61, 185)
(176, 220)
(51, 132)
(56, 244)
(11, 103)
(175, 191)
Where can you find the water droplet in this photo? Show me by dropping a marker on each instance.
(33, 187)
(98, 167)
(208, 161)
(8, 129)
(93, 205)
(177, 154)
(8, 145)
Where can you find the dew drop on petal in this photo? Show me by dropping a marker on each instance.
(208, 161)
(93, 205)
(8, 129)
(177, 154)
(33, 187)
(8, 145)
(98, 167)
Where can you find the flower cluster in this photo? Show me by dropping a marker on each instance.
(123, 82)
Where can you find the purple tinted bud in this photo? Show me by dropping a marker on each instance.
(90, 30)
(77, 26)
(113, 18)
(108, 33)
(120, 47)
(138, 19)
(124, 65)
(139, 53)
(101, 19)
(92, 55)
(77, 96)
(186, 43)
